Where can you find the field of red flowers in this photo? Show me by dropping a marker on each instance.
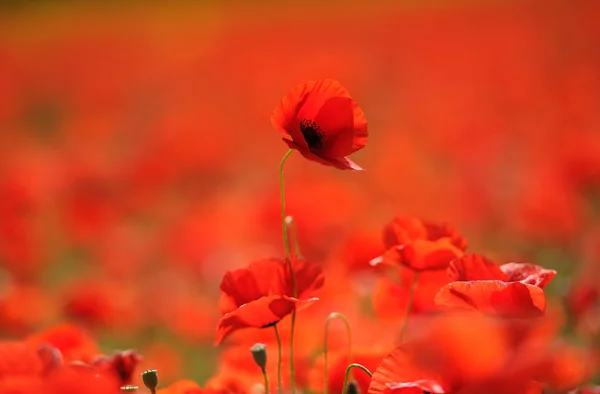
(300, 197)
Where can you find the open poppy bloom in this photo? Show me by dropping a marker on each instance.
(261, 295)
(322, 121)
(420, 245)
(476, 267)
(509, 290)
(470, 354)
(507, 299)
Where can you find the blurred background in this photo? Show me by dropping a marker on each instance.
(138, 162)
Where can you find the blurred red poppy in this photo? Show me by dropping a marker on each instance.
(322, 121)
(420, 245)
(261, 295)
(469, 353)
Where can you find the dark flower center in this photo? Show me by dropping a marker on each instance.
(312, 133)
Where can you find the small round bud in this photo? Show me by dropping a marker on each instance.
(129, 388)
(150, 379)
(259, 353)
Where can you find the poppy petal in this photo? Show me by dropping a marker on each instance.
(403, 230)
(247, 284)
(342, 163)
(475, 267)
(396, 368)
(508, 299)
(416, 387)
(285, 116)
(261, 313)
(344, 127)
(309, 277)
(529, 274)
(423, 255)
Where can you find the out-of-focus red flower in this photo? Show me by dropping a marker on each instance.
(71, 341)
(473, 354)
(508, 299)
(23, 306)
(476, 267)
(121, 364)
(420, 245)
(261, 295)
(322, 121)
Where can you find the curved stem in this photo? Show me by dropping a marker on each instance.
(288, 258)
(293, 231)
(349, 369)
(279, 360)
(328, 321)
(409, 305)
(266, 379)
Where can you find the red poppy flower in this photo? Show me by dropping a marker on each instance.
(261, 295)
(322, 121)
(508, 299)
(476, 267)
(420, 245)
(470, 353)
(121, 364)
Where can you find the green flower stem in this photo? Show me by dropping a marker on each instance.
(288, 257)
(266, 378)
(293, 230)
(409, 305)
(279, 360)
(349, 369)
(328, 321)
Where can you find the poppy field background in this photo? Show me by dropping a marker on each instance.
(139, 163)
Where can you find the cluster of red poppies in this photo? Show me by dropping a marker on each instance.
(468, 325)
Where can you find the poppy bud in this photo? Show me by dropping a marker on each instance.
(352, 388)
(150, 379)
(259, 353)
(129, 388)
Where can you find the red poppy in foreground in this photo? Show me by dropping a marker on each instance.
(420, 245)
(470, 354)
(261, 295)
(322, 121)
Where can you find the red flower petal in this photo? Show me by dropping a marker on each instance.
(244, 285)
(416, 387)
(344, 126)
(309, 277)
(529, 274)
(396, 368)
(508, 299)
(422, 255)
(403, 230)
(475, 267)
(261, 313)
(268, 277)
(342, 163)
